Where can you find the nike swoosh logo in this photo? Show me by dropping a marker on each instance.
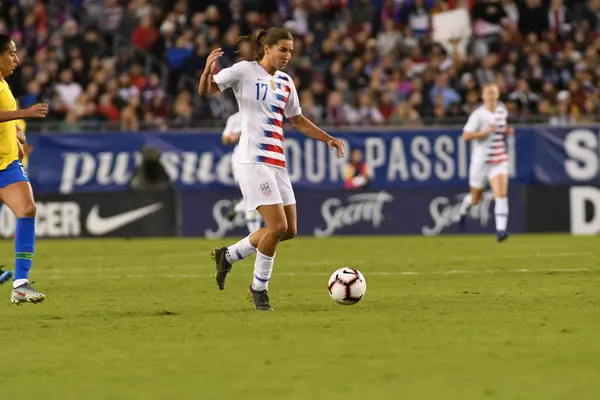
(96, 225)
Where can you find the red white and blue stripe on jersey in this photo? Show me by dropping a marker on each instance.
(497, 148)
(271, 145)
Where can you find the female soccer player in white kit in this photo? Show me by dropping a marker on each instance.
(486, 128)
(264, 95)
(231, 136)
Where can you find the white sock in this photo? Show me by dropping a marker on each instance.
(19, 282)
(240, 250)
(240, 207)
(501, 213)
(253, 221)
(466, 204)
(263, 266)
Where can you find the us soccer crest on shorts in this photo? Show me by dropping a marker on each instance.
(265, 189)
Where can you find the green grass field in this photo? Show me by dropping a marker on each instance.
(443, 318)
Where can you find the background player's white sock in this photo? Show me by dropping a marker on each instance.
(501, 213)
(466, 204)
(240, 250)
(240, 207)
(253, 221)
(263, 266)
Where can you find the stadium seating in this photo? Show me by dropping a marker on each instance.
(133, 65)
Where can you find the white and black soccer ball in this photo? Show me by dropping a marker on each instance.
(347, 286)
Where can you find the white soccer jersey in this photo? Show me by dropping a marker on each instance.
(490, 149)
(233, 126)
(263, 100)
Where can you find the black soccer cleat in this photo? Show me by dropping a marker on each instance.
(223, 266)
(260, 299)
(501, 236)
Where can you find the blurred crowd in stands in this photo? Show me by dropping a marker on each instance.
(357, 62)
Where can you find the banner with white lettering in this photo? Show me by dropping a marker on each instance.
(323, 213)
(567, 156)
(574, 209)
(96, 162)
(106, 214)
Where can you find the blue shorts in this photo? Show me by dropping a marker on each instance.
(13, 173)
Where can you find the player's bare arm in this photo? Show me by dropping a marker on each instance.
(232, 138)
(478, 135)
(20, 150)
(304, 125)
(21, 134)
(35, 111)
(207, 85)
(21, 140)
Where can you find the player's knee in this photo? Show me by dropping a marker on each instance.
(475, 198)
(291, 232)
(499, 192)
(278, 228)
(27, 210)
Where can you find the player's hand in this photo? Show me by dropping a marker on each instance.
(360, 181)
(338, 144)
(211, 61)
(37, 111)
(509, 130)
(491, 129)
(20, 152)
(232, 138)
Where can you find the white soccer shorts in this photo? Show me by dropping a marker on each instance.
(235, 171)
(480, 174)
(262, 185)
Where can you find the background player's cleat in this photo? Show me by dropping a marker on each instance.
(223, 266)
(260, 299)
(462, 222)
(232, 213)
(501, 236)
(5, 275)
(234, 210)
(26, 294)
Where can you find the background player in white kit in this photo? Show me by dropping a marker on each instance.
(264, 95)
(486, 128)
(231, 136)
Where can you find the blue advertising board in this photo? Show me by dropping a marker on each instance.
(567, 156)
(419, 211)
(69, 163)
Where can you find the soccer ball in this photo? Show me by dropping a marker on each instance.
(347, 286)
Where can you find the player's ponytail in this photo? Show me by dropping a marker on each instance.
(258, 41)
